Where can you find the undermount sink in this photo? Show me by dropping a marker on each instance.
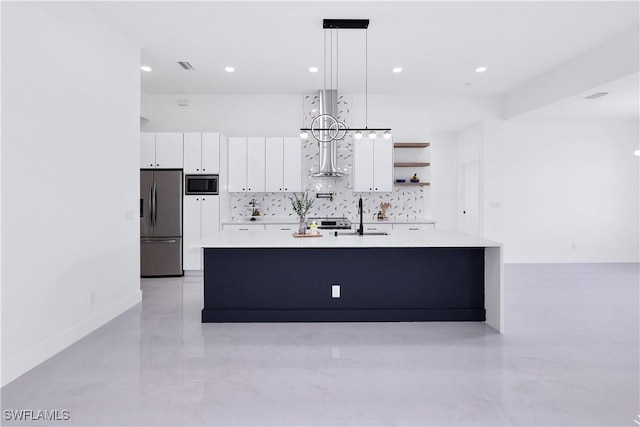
(366, 233)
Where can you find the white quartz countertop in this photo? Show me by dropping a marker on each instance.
(293, 220)
(395, 239)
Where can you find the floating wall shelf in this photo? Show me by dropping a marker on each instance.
(412, 184)
(411, 144)
(410, 165)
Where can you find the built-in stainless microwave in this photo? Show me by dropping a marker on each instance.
(201, 184)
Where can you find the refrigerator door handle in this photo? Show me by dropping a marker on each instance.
(160, 241)
(151, 205)
(155, 204)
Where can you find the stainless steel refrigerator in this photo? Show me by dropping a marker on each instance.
(161, 223)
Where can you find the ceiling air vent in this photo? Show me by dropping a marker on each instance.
(596, 95)
(185, 65)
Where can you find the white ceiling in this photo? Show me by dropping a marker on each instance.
(438, 44)
(622, 102)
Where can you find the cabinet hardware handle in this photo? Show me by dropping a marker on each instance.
(414, 229)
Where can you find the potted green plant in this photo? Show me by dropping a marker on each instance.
(301, 206)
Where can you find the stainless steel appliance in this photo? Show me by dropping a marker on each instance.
(161, 223)
(331, 223)
(200, 184)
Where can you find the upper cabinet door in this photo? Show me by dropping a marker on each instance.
(211, 152)
(237, 167)
(169, 150)
(255, 164)
(274, 164)
(292, 159)
(192, 152)
(147, 150)
(363, 165)
(383, 165)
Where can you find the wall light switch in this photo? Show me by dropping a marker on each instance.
(335, 291)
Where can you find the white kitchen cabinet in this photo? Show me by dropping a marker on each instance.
(292, 173)
(147, 150)
(377, 228)
(274, 164)
(414, 226)
(256, 164)
(201, 220)
(201, 152)
(373, 165)
(211, 152)
(285, 228)
(283, 164)
(243, 227)
(169, 150)
(246, 157)
(237, 166)
(161, 150)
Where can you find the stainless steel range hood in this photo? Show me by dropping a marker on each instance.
(328, 100)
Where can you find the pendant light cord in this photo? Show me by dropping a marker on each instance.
(366, 79)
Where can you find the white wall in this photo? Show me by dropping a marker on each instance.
(233, 115)
(567, 190)
(70, 116)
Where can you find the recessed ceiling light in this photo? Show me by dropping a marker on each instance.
(397, 70)
(229, 69)
(637, 153)
(145, 68)
(313, 69)
(481, 69)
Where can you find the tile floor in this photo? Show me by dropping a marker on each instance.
(569, 358)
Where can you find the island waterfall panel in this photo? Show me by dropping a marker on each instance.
(376, 284)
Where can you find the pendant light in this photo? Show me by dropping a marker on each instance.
(325, 127)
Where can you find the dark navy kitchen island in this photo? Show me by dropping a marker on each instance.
(269, 277)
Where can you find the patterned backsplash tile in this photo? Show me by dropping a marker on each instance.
(406, 203)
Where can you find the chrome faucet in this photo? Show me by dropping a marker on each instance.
(361, 226)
